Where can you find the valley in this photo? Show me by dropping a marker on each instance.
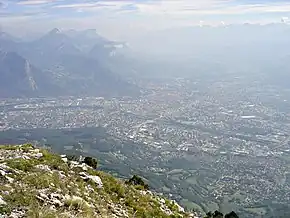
(195, 146)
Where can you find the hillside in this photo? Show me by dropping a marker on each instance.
(37, 183)
(17, 71)
(58, 65)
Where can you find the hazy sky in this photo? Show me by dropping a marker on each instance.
(121, 19)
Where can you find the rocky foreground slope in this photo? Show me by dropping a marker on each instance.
(37, 183)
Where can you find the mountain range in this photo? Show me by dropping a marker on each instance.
(61, 63)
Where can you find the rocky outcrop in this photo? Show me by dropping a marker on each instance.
(37, 183)
(95, 179)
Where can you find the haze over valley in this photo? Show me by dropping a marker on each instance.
(200, 111)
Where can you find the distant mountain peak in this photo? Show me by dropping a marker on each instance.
(55, 31)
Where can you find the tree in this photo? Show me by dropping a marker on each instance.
(136, 180)
(208, 215)
(231, 215)
(91, 162)
(218, 214)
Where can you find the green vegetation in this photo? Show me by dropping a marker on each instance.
(21, 164)
(218, 214)
(196, 182)
(138, 182)
(92, 162)
(43, 180)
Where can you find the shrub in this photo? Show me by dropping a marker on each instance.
(21, 164)
(76, 203)
(137, 181)
(91, 162)
(231, 215)
(4, 209)
(218, 214)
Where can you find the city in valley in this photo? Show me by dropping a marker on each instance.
(211, 145)
(182, 98)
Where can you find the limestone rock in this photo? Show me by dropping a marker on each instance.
(96, 179)
(2, 202)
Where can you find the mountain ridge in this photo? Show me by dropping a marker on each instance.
(15, 69)
(59, 64)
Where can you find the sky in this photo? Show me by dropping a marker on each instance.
(121, 19)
